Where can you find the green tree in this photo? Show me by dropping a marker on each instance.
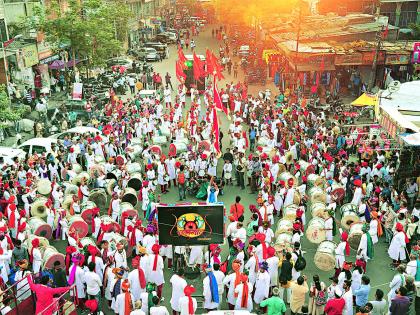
(94, 29)
(415, 29)
(7, 113)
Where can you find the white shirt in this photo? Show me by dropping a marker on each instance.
(93, 283)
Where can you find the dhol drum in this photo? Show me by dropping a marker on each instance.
(165, 131)
(156, 149)
(38, 208)
(315, 180)
(355, 235)
(349, 215)
(130, 195)
(67, 202)
(120, 160)
(97, 170)
(315, 232)
(285, 176)
(318, 209)
(86, 241)
(338, 191)
(282, 168)
(110, 185)
(106, 219)
(77, 168)
(115, 174)
(40, 228)
(325, 256)
(136, 141)
(43, 187)
(159, 140)
(317, 194)
(133, 168)
(306, 167)
(43, 242)
(77, 223)
(86, 209)
(70, 189)
(284, 226)
(50, 256)
(134, 151)
(289, 213)
(135, 181)
(262, 141)
(128, 209)
(180, 147)
(78, 179)
(296, 198)
(98, 159)
(271, 152)
(284, 240)
(98, 196)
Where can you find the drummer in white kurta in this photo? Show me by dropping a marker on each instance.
(155, 272)
(262, 283)
(178, 284)
(358, 193)
(329, 226)
(290, 194)
(398, 244)
(341, 250)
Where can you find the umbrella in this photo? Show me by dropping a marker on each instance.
(71, 63)
(56, 65)
(366, 100)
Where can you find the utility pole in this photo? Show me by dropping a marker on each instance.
(379, 38)
(297, 39)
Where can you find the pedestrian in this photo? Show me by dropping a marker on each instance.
(400, 304)
(168, 80)
(362, 293)
(299, 289)
(274, 304)
(335, 306)
(379, 304)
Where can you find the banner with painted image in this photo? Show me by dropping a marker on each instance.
(77, 91)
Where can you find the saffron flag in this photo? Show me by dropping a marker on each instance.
(217, 68)
(198, 68)
(182, 58)
(209, 62)
(216, 131)
(217, 99)
(180, 72)
(386, 31)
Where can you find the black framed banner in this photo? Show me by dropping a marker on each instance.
(191, 224)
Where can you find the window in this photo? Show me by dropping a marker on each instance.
(25, 148)
(38, 149)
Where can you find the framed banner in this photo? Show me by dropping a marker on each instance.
(191, 224)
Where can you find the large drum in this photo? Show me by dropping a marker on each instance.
(325, 256)
(38, 208)
(159, 140)
(50, 256)
(355, 235)
(86, 241)
(262, 141)
(86, 208)
(97, 170)
(78, 179)
(338, 191)
(285, 176)
(40, 228)
(130, 195)
(317, 194)
(133, 168)
(134, 151)
(316, 180)
(283, 244)
(284, 226)
(349, 215)
(165, 131)
(128, 209)
(110, 185)
(115, 174)
(289, 213)
(315, 232)
(306, 167)
(67, 202)
(135, 181)
(70, 189)
(318, 209)
(98, 159)
(156, 149)
(43, 187)
(296, 198)
(77, 168)
(79, 225)
(43, 242)
(98, 196)
(180, 147)
(106, 219)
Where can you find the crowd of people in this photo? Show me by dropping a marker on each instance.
(276, 147)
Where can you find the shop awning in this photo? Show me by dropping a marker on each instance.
(412, 139)
(366, 100)
(307, 68)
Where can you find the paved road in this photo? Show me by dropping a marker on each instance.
(378, 268)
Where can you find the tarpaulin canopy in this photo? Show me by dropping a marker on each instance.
(412, 139)
(366, 100)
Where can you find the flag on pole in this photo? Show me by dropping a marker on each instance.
(209, 62)
(386, 31)
(216, 67)
(217, 99)
(216, 131)
(321, 70)
(180, 72)
(198, 68)
(182, 58)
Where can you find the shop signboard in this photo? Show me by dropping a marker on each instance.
(349, 59)
(416, 53)
(191, 224)
(369, 56)
(30, 55)
(397, 59)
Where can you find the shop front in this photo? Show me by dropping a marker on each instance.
(398, 65)
(21, 62)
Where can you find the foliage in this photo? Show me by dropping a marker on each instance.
(7, 113)
(94, 29)
(415, 28)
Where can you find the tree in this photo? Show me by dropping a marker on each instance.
(94, 29)
(415, 30)
(8, 114)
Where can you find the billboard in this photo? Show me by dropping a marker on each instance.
(191, 224)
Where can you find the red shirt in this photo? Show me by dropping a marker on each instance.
(236, 210)
(335, 306)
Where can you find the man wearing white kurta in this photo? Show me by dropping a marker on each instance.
(396, 249)
(178, 285)
(289, 197)
(37, 260)
(262, 284)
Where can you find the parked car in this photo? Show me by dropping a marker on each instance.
(148, 54)
(120, 61)
(38, 145)
(161, 48)
(243, 50)
(166, 37)
(8, 154)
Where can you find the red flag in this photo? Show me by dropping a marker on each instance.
(218, 68)
(385, 33)
(216, 131)
(181, 57)
(217, 99)
(209, 62)
(198, 68)
(321, 70)
(180, 72)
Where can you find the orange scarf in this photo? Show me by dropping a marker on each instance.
(127, 303)
(380, 231)
(236, 266)
(245, 292)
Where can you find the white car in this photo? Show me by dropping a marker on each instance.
(243, 50)
(38, 145)
(75, 132)
(8, 154)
